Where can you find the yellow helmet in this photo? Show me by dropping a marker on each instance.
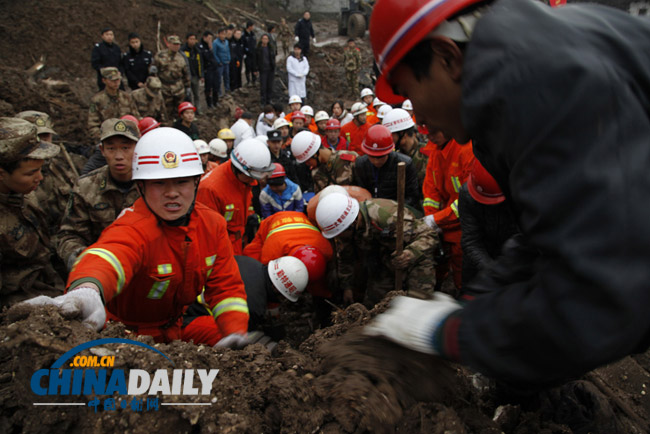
(226, 134)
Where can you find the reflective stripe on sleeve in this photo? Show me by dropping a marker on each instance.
(456, 183)
(231, 304)
(454, 207)
(158, 290)
(230, 210)
(292, 226)
(109, 257)
(430, 202)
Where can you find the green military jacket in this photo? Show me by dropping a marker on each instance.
(172, 71)
(103, 106)
(338, 170)
(148, 105)
(352, 59)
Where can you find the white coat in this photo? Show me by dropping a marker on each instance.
(298, 70)
(242, 131)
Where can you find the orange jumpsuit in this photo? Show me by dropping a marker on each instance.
(447, 170)
(210, 166)
(371, 116)
(355, 136)
(149, 272)
(223, 192)
(282, 232)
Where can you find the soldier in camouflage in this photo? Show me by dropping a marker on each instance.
(150, 101)
(174, 75)
(367, 247)
(99, 196)
(352, 64)
(285, 35)
(409, 145)
(109, 103)
(25, 268)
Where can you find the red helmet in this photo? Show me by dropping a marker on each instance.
(147, 124)
(185, 105)
(278, 171)
(333, 124)
(483, 188)
(396, 26)
(313, 259)
(298, 115)
(130, 118)
(378, 141)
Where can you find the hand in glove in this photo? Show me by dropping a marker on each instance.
(412, 323)
(83, 301)
(431, 222)
(403, 260)
(296, 39)
(314, 40)
(188, 93)
(239, 340)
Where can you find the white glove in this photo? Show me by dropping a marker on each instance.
(412, 322)
(296, 39)
(314, 41)
(431, 222)
(83, 301)
(234, 340)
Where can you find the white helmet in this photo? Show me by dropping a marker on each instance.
(289, 275)
(321, 116)
(253, 158)
(334, 188)
(201, 146)
(280, 122)
(366, 91)
(262, 138)
(335, 213)
(398, 120)
(407, 105)
(219, 148)
(377, 102)
(294, 99)
(304, 145)
(383, 111)
(165, 153)
(358, 108)
(307, 110)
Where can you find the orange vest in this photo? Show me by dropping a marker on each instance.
(447, 171)
(355, 136)
(221, 191)
(149, 271)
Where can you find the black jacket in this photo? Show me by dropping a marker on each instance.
(194, 58)
(237, 50)
(250, 43)
(136, 66)
(210, 63)
(304, 30)
(192, 131)
(485, 228)
(383, 182)
(104, 55)
(564, 129)
(259, 58)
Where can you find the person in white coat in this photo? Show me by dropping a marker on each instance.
(298, 68)
(243, 128)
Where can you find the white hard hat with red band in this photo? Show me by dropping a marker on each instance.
(304, 145)
(289, 276)
(218, 148)
(253, 158)
(397, 120)
(335, 213)
(165, 153)
(201, 146)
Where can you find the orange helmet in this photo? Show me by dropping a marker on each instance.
(313, 259)
(378, 141)
(482, 186)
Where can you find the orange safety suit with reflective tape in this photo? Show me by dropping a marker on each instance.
(355, 135)
(447, 170)
(221, 191)
(371, 118)
(149, 272)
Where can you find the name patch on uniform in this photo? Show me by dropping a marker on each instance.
(169, 160)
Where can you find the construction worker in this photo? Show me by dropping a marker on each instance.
(376, 171)
(333, 138)
(365, 234)
(321, 119)
(327, 167)
(287, 276)
(310, 123)
(367, 96)
(295, 102)
(408, 106)
(24, 240)
(100, 196)
(203, 149)
(355, 131)
(149, 99)
(228, 188)
(280, 194)
(570, 293)
(486, 223)
(185, 121)
(109, 103)
(402, 127)
(174, 75)
(227, 136)
(297, 122)
(284, 127)
(447, 170)
(383, 111)
(352, 65)
(218, 151)
(159, 254)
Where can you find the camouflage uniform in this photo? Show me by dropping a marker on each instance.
(95, 202)
(175, 78)
(339, 170)
(420, 161)
(371, 247)
(103, 106)
(352, 64)
(150, 101)
(285, 35)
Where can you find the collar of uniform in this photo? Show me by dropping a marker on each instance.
(12, 200)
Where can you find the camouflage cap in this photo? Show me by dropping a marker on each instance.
(110, 73)
(153, 83)
(173, 39)
(119, 127)
(41, 120)
(18, 140)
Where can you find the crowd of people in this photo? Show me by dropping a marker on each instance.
(179, 237)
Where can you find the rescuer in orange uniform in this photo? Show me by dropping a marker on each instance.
(355, 131)
(448, 167)
(159, 254)
(228, 188)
